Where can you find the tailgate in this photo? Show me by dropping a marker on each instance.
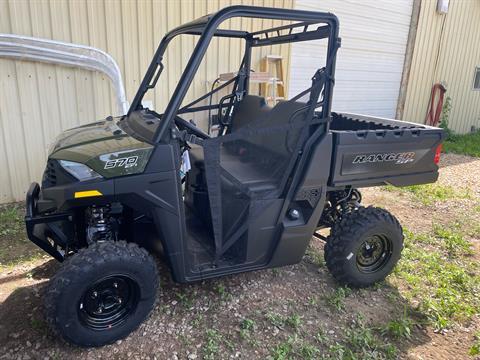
(399, 157)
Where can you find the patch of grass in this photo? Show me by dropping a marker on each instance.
(339, 351)
(275, 319)
(336, 299)
(321, 336)
(309, 352)
(475, 348)
(453, 240)
(399, 328)
(212, 344)
(39, 325)
(316, 257)
(283, 350)
(468, 144)
(221, 290)
(247, 328)
(446, 288)
(294, 320)
(15, 248)
(429, 194)
(185, 299)
(11, 220)
(363, 343)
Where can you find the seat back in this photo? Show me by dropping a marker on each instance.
(250, 109)
(253, 112)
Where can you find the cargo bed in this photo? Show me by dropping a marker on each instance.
(369, 151)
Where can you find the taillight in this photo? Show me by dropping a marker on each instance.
(438, 151)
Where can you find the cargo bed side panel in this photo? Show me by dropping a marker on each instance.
(377, 157)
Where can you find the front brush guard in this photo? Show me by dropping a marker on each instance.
(41, 228)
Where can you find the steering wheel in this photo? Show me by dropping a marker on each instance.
(190, 128)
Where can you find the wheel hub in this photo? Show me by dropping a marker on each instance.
(373, 253)
(109, 302)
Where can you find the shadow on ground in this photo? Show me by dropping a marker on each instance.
(185, 316)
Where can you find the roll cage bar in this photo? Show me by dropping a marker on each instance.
(208, 26)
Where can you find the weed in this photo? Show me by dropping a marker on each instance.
(445, 115)
(399, 328)
(430, 193)
(212, 344)
(337, 298)
(11, 220)
(312, 300)
(283, 350)
(468, 144)
(308, 351)
(248, 324)
(294, 321)
(453, 241)
(360, 337)
(221, 290)
(38, 325)
(15, 248)
(275, 319)
(339, 351)
(185, 299)
(197, 320)
(321, 336)
(275, 271)
(246, 328)
(365, 344)
(444, 287)
(316, 257)
(475, 348)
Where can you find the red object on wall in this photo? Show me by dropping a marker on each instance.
(433, 115)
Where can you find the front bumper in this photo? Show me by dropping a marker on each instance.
(46, 231)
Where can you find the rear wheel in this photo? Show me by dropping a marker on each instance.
(364, 247)
(102, 293)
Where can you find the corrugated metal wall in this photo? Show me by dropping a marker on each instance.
(38, 101)
(448, 55)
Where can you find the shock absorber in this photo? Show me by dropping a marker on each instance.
(99, 224)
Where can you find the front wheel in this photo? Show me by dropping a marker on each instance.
(364, 247)
(102, 293)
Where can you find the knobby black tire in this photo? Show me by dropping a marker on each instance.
(348, 234)
(65, 287)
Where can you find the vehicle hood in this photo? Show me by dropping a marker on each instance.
(100, 145)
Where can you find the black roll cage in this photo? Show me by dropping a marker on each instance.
(208, 26)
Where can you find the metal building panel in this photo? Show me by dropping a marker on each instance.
(41, 100)
(369, 63)
(102, 91)
(446, 50)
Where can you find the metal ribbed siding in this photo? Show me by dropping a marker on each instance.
(458, 54)
(38, 101)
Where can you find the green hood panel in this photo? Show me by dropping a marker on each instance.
(104, 147)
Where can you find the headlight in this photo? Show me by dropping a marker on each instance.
(80, 171)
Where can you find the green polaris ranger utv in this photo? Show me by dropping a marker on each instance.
(252, 197)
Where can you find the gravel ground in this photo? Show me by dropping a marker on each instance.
(462, 172)
(250, 315)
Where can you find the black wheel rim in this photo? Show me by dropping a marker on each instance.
(374, 253)
(109, 302)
